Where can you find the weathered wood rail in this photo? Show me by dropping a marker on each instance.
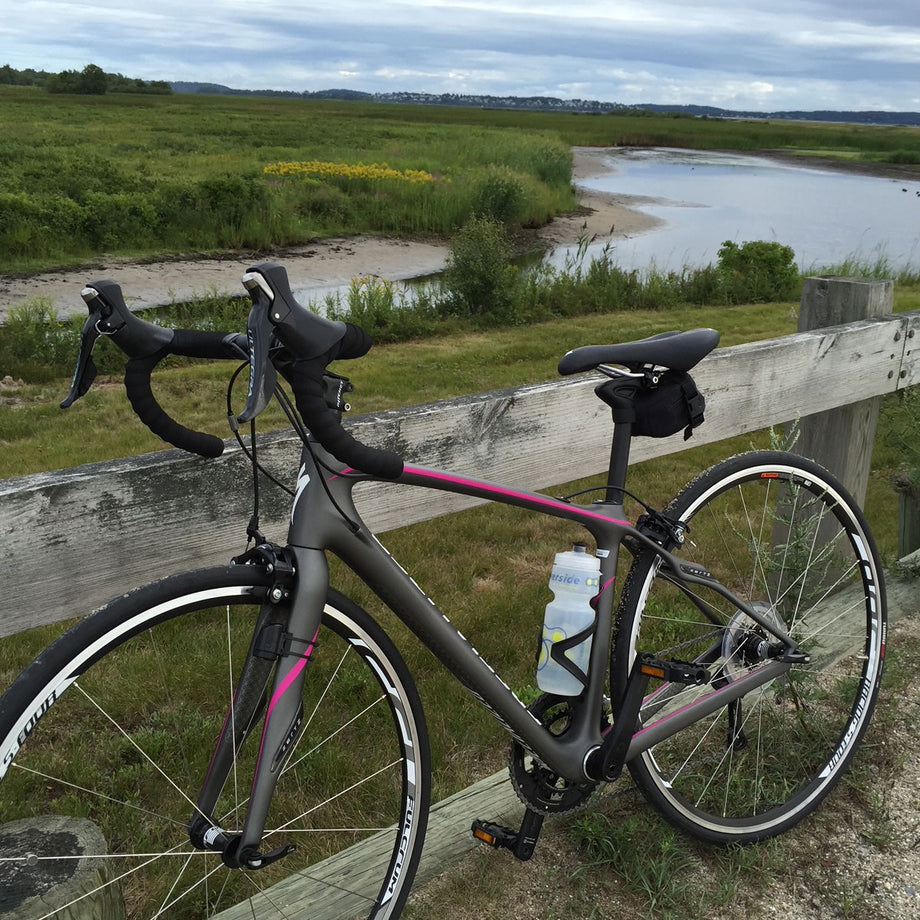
(72, 539)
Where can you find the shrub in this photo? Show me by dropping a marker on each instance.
(34, 345)
(387, 312)
(479, 279)
(499, 195)
(904, 156)
(758, 272)
(119, 220)
(551, 161)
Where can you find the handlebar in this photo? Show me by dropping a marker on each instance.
(280, 333)
(312, 343)
(189, 343)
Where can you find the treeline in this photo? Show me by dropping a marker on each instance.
(91, 81)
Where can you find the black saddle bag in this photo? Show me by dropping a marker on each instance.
(674, 404)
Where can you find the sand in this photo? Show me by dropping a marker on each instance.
(320, 264)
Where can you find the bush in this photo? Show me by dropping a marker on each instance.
(479, 280)
(499, 195)
(387, 312)
(34, 345)
(758, 272)
(909, 157)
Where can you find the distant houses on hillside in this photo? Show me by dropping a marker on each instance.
(554, 104)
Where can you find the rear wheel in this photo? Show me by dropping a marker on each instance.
(117, 721)
(782, 534)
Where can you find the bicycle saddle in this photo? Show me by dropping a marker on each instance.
(676, 350)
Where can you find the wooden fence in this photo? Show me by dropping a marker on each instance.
(73, 539)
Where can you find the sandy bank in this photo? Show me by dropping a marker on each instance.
(317, 265)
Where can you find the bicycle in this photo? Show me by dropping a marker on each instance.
(734, 676)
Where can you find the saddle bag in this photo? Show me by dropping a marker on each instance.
(674, 404)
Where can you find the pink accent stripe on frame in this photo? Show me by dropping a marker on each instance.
(509, 493)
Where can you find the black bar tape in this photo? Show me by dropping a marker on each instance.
(194, 343)
(307, 383)
(356, 343)
(148, 410)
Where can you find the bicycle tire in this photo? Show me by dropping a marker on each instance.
(117, 720)
(784, 535)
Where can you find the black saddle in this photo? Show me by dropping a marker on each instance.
(676, 350)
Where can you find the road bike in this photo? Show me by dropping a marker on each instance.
(246, 741)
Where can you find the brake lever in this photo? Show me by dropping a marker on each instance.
(109, 315)
(276, 315)
(85, 372)
(259, 333)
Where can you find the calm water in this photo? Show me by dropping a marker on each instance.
(707, 198)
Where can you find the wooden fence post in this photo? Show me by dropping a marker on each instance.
(841, 439)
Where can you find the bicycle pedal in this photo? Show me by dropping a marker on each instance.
(522, 843)
(673, 671)
(494, 835)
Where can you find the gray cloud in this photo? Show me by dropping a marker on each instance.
(786, 54)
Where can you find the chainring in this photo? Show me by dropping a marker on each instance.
(538, 787)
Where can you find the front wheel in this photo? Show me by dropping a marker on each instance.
(783, 535)
(113, 728)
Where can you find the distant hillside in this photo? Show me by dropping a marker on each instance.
(551, 103)
(870, 118)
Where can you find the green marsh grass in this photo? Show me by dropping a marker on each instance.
(85, 175)
(82, 176)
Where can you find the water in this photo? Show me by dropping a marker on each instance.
(705, 198)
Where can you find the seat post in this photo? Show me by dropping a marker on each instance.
(619, 393)
(619, 461)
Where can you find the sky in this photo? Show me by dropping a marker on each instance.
(759, 56)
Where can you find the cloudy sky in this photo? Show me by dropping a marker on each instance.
(767, 55)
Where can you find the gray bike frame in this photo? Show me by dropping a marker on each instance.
(324, 518)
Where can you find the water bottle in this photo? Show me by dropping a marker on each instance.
(575, 581)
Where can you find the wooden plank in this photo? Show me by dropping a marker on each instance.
(909, 371)
(323, 893)
(842, 439)
(109, 526)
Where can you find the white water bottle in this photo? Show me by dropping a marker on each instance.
(575, 581)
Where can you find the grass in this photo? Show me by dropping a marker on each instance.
(37, 435)
(620, 860)
(150, 175)
(135, 175)
(184, 143)
(503, 549)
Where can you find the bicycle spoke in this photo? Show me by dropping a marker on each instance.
(127, 747)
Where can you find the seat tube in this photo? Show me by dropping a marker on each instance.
(284, 713)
